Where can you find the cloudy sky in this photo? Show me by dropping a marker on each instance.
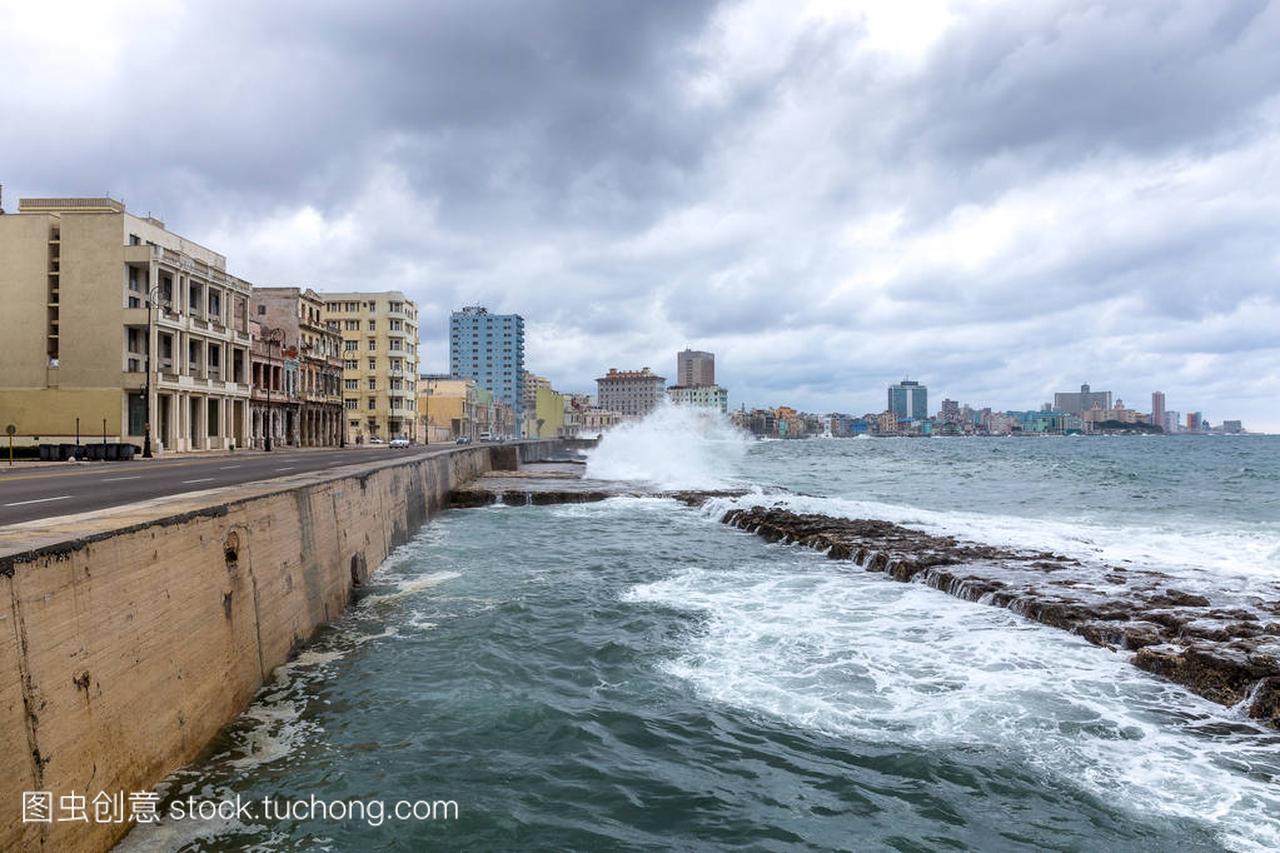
(1001, 200)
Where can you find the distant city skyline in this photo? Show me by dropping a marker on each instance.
(640, 178)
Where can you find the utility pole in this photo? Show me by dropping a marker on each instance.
(271, 336)
(152, 294)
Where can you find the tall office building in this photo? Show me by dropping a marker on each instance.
(1078, 403)
(1157, 408)
(631, 393)
(110, 321)
(695, 369)
(909, 400)
(379, 362)
(489, 348)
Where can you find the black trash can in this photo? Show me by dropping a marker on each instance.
(127, 451)
(111, 451)
(66, 451)
(48, 452)
(94, 452)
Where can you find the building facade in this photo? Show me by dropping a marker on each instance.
(379, 362)
(909, 400)
(531, 382)
(1078, 403)
(447, 408)
(315, 350)
(1157, 408)
(489, 348)
(695, 368)
(700, 396)
(630, 393)
(112, 321)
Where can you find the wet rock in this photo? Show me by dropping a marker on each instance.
(1226, 653)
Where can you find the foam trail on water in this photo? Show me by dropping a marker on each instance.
(674, 447)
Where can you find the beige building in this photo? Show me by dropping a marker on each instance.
(380, 363)
(81, 277)
(310, 350)
(630, 393)
(530, 383)
(447, 408)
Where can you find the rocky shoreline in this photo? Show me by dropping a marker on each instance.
(1226, 651)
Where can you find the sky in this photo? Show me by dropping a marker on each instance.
(1000, 200)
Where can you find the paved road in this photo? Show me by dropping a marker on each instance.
(51, 490)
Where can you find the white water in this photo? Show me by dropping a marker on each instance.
(857, 657)
(1200, 559)
(675, 447)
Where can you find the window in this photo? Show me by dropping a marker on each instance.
(373, 344)
(351, 364)
(373, 364)
(351, 384)
(351, 404)
(215, 306)
(350, 346)
(373, 325)
(373, 402)
(262, 310)
(351, 325)
(373, 384)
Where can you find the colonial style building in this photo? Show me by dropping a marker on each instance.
(314, 349)
(117, 325)
(630, 393)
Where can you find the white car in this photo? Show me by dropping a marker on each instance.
(399, 441)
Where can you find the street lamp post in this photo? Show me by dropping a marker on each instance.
(146, 394)
(270, 336)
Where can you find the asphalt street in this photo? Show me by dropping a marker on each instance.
(32, 492)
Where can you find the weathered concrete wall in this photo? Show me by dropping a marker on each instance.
(123, 653)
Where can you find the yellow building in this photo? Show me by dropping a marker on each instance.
(446, 408)
(549, 413)
(91, 291)
(380, 362)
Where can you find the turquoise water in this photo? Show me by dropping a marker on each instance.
(633, 675)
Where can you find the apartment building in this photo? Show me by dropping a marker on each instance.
(91, 293)
(695, 368)
(379, 362)
(292, 319)
(489, 348)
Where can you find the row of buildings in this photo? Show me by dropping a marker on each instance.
(907, 413)
(488, 392)
(114, 326)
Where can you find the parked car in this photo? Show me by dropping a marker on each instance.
(462, 439)
(399, 441)
(375, 440)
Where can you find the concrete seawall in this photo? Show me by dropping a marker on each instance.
(129, 637)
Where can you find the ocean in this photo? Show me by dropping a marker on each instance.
(633, 675)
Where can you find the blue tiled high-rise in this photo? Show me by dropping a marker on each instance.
(489, 348)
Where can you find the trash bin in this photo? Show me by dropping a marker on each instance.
(66, 451)
(47, 452)
(94, 452)
(111, 451)
(127, 451)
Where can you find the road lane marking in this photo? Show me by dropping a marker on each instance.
(40, 500)
(118, 479)
(289, 468)
(201, 480)
(228, 467)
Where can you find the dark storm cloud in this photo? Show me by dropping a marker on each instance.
(996, 198)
